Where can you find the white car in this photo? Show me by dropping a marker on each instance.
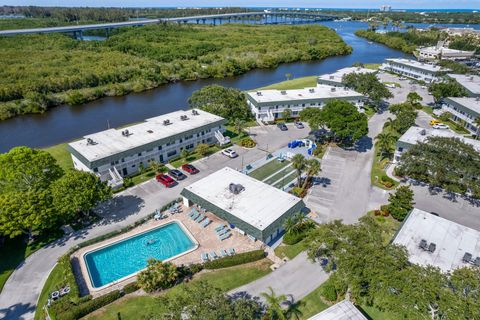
(440, 126)
(230, 153)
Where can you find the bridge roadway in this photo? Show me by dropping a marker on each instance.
(113, 25)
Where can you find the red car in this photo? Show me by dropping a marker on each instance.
(166, 180)
(190, 168)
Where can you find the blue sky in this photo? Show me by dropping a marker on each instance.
(396, 4)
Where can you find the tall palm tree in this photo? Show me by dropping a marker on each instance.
(384, 143)
(274, 302)
(239, 125)
(298, 163)
(313, 168)
(290, 224)
(293, 310)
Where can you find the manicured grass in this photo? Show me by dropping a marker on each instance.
(373, 66)
(453, 125)
(193, 157)
(375, 314)
(284, 173)
(388, 224)
(312, 304)
(61, 154)
(268, 169)
(379, 164)
(290, 251)
(298, 83)
(225, 279)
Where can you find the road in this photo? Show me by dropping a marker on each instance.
(20, 294)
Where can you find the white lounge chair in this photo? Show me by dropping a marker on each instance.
(204, 257)
(206, 222)
(231, 251)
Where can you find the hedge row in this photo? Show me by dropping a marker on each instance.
(83, 309)
(291, 238)
(234, 260)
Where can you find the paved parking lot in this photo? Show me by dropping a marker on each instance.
(400, 94)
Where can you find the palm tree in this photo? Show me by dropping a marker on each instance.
(290, 225)
(239, 125)
(274, 302)
(384, 143)
(313, 168)
(298, 163)
(293, 310)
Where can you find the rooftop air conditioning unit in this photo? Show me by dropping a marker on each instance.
(125, 133)
(150, 131)
(236, 188)
(471, 78)
(90, 141)
(166, 122)
(259, 93)
(311, 90)
(332, 77)
(195, 112)
(333, 89)
(283, 92)
(423, 132)
(183, 117)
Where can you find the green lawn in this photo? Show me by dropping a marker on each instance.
(379, 164)
(61, 154)
(268, 169)
(388, 224)
(194, 156)
(312, 304)
(290, 251)
(373, 66)
(375, 314)
(298, 83)
(285, 171)
(225, 279)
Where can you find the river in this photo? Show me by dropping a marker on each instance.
(66, 123)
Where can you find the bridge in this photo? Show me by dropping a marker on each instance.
(243, 17)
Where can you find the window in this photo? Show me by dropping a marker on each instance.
(160, 148)
(139, 154)
(400, 149)
(112, 163)
(123, 159)
(172, 153)
(95, 169)
(190, 146)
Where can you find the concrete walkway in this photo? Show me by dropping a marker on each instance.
(295, 279)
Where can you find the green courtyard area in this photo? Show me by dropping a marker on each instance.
(277, 173)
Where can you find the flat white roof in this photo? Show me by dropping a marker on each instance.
(259, 204)
(321, 91)
(414, 135)
(452, 240)
(468, 102)
(344, 310)
(111, 141)
(470, 82)
(435, 50)
(338, 75)
(418, 65)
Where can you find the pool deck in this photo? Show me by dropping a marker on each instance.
(205, 238)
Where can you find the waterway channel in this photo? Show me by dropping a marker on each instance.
(66, 123)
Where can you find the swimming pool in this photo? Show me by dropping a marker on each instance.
(128, 256)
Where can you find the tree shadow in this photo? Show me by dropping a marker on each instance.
(323, 181)
(77, 272)
(364, 144)
(17, 311)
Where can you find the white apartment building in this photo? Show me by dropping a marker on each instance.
(465, 110)
(471, 83)
(414, 69)
(335, 79)
(116, 153)
(441, 53)
(415, 135)
(268, 105)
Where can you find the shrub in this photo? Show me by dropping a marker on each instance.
(131, 287)
(329, 292)
(293, 238)
(387, 181)
(158, 275)
(248, 142)
(234, 260)
(83, 309)
(297, 191)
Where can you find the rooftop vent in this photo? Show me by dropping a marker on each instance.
(195, 112)
(183, 117)
(472, 78)
(332, 77)
(311, 90)
(259, 93)
(150, 131)
(333, 89)
(432, 247)
(236, 188)
(467, 257)
(166, 122)
(423, 132)
(126, 133)
(283, 92)
(423, 244)
(90, 142)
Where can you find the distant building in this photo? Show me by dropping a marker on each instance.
(414, 69)
(335, 79)
(385, 8)
(464, 111)
(250, 206)
(461, 31)
(434, 241)
(268, 105)
(343, 310)
(415, 135)
(116, 153)
(471, 83)
(439, 52)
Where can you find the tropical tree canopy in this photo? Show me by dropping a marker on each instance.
(450, 88)
(367, 84)
(401, 202)
(158, 275)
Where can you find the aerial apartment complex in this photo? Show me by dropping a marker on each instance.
(250, 206)
(268, 105)
(414, 69)
(116, 153)
(335, 79)
(464, 110)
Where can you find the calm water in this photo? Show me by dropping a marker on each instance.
(66, 123)
(130, 255)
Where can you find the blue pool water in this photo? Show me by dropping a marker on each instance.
(130, 255)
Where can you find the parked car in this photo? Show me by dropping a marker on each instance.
(434, 122)
(190, 168)
(282, 126)
(299, 125)
(440, 126)
(166, 180)
(177, 174)
(230, 153)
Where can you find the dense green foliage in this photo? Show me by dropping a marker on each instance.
(229, 103)
(201, 301)
(347, 125)
(82, 309)
(36, 195)
(443, 162)
(157, 275)
(378, 274)
(41, 71)
(400, 202)
(239, 258)
(405, 117)
(450, 88)
(367, 84)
